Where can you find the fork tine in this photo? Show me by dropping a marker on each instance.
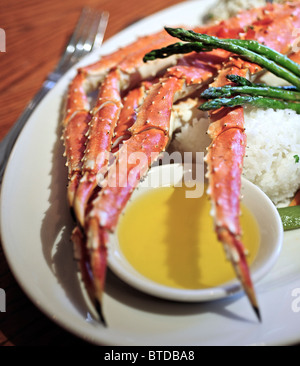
(90, 29)
(71, 46)
(88, 36)
(101, 29)
(79, 29)
(93, 35)
(97, 31)
(87, 27)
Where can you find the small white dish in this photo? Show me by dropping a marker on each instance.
(267, 217)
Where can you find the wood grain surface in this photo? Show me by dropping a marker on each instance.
(36, 33)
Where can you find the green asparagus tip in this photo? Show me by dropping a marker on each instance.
(239, 80)
(225, 102)
(212, 93)
(171, 31)
(149, 57)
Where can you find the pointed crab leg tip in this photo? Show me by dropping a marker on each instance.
(98, 307)
(73, 214)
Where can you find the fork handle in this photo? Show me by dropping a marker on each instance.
(9, 140)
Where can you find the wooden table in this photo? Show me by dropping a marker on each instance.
(36, 33)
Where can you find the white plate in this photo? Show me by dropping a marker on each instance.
(36, 226)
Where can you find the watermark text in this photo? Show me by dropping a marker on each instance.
(127, 168)
(2, 40)
(296, 301)
(2, 301)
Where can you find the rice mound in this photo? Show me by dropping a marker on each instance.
(273, 139)
(192, 125)
(227, 8)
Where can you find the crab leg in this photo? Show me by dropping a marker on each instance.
(105, 116)
(225, 163)
(225, 157)
(75, 127)
(131, 102)
(150, 135)
(77, 115)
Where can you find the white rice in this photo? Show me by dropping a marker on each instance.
(228, 8)
(273, 139)
(192, 125)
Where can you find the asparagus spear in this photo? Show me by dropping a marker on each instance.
(240, 81)
(264, 91)
(176, 48)
(259, 102)
(290, 217)
(198, 42)
(251, 45)
(269, 53)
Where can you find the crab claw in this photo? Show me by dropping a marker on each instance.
(91, 254)
(225, 163)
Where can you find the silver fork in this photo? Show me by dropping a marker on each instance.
(88, 35)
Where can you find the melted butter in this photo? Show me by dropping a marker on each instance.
(171, 240)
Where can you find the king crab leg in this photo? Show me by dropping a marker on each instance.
(227, 150)
(150, 135)
(105, 117)
(77, 107)
(131, 102)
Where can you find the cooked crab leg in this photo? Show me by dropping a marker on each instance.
(225, 157)
(225, 163)
(148, 138)
(75, 127)
(150, 135)
(105, 116)
(77, 115)
(131, 102)
(95, 161)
